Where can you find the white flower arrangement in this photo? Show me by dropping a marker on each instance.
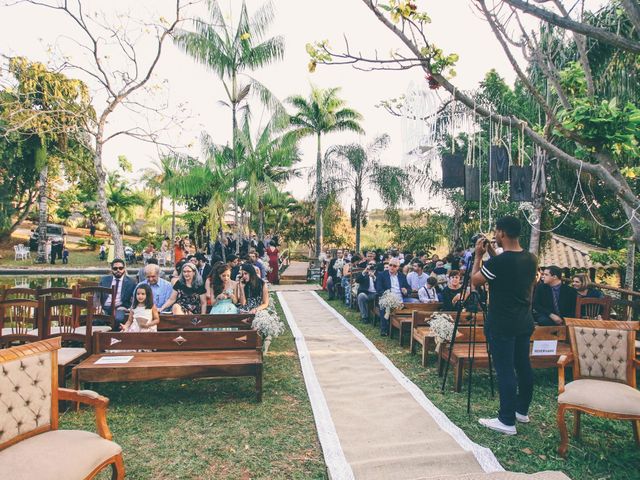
(268, 323)
(442, 327)
(390, 302)
(265, 262)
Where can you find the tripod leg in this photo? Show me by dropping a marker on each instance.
(458, 375)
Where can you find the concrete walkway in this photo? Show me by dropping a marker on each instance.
(373, 422)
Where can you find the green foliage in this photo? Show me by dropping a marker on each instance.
(424, 232)
(92, 243)
(615, 260)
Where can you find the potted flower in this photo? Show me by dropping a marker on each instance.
(268, 324)
(390, 302)
(442, 327)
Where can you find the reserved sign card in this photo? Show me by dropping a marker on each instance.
(544, 347)
(113, 360)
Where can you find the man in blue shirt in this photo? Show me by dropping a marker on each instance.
(161, 288)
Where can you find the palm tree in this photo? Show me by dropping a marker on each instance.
(354, 167)
(229, 53)
(122, 200)
(323, 112)
(267, 166)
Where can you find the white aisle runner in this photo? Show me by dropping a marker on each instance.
(373, 422)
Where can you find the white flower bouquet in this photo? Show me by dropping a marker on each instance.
(265, 262)
(442, 327)
(390, 302)
(268, 324)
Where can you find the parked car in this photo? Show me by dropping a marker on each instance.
(54, 232)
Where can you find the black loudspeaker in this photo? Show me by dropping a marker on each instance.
(499, 163)
(520, 184)
(471, 183)
(452, 170)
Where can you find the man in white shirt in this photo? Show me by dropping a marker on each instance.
(417, 278)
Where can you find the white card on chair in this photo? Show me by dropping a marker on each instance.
(544, 347)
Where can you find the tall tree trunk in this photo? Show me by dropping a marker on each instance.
(358, 216)
(234, 139)
(261, 222)
(318, 200)
(42, 215)
(101, 176)
(173, 231)
(538, 192)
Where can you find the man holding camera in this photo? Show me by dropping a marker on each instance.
(366, 289)
(509, 323)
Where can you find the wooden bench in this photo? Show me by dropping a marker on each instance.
(168, 355)
(460, 353)
(401, 319)
(421, 332)
(240, 321)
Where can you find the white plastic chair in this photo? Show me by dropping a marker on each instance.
(18, 252)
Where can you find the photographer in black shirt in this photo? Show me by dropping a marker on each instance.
(509, 321)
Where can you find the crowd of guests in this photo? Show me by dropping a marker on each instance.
(419, 277)
(197, 285)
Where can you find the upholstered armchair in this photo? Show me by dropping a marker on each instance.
(604, 373)
(31, 446)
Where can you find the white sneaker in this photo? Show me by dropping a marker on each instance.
(498, 426)
(522, 418)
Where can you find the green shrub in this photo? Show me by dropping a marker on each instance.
(92, 243)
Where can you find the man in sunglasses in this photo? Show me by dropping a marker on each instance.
(124, 292)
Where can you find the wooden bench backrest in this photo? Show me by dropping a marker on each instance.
(198, 322)
(177, 341)
(465, 317)
(18, 293)
(420, 319)
(420, 307)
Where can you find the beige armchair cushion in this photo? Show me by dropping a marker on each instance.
(602, 395)
(602, 353)
(56, 455)
(25, 395)
(66, 355)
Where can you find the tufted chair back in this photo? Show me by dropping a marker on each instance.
(603, 350)
(28, 390)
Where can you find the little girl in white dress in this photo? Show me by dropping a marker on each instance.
(143, 315)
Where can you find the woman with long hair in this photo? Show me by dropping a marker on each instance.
(189, 295)
(254, 295)
(225, 291)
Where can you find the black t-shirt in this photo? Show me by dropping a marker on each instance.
(511, 276)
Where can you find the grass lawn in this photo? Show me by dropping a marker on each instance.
(214, 429)
(605, 451)
(77, 258)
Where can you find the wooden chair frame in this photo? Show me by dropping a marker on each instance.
(604, 304)
(572, 360)
(98, 402)
(98, 313)
(22, 335)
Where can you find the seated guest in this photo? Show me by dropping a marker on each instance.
(189, 294)
(175, 275)
(225, 291)
(580, 283)
(161, 289)
(429, 292)
(451, 293)
(257, 262)
(124, 292)
(366, 290)
(370, 257)
(254, 294)
(395, 281)
(141, 270)
(334, 277)
(440, 269)
(346, 277)
(553, 300)
(143, 315)
(417, 278)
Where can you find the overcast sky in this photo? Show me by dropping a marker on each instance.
(27, 30)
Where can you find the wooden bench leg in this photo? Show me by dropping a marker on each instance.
(459, 367)
(412, 344)
(424, 352)
(400, 334)
(259, 383)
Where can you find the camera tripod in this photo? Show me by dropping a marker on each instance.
(473, 304)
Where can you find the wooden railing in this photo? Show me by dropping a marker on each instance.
(626, 303)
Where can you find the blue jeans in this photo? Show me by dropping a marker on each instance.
(347, 290)
(331, 288)
(363, 304)
(510, 355)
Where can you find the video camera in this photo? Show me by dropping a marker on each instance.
(477, 237)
